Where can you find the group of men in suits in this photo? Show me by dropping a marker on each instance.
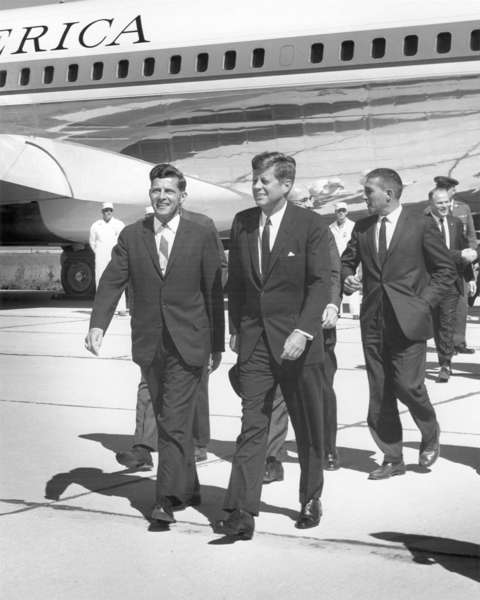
(279, 293)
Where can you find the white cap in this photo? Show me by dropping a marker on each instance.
(340, 205)
(107, 205)
(149, 210)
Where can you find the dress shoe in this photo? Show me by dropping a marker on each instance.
(163, 512)
(332, 462)
(138, 458)
(388, 469)
(200, 453)
(273, 470)
(430, 452)
(240, 523)
(309, 514)
(444, 374)
(463, 349)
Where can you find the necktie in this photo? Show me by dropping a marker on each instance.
(382, 241)
(266, 247)
(163, 253)
(442, 229)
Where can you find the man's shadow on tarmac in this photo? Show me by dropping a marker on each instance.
(466, 370)
(463, 455)
(456, 556)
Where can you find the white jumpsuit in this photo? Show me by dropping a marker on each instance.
(103, 237)
(342, 236)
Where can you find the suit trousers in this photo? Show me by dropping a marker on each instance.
(173, 387)
(302, 389)
(459, 334)
(278, 431)
(146, 426)
(396, 370)
(444, 317)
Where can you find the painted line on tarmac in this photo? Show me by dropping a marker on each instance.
(41, 324)
(75, 356)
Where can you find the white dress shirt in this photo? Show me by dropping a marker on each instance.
(275, 220)
(391, 221)
(342, 234)
(169, 231)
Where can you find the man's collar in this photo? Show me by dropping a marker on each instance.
(275, 218)
(172, 224)
(393, 216)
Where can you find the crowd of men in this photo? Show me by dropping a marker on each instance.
(285, 284)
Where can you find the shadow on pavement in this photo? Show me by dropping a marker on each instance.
(466, 370)
(456, 556)
(10, 300)
(110, 441)
(463, 455)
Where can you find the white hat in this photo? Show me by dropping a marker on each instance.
(340, 205)
(107, 205)
(149, 210)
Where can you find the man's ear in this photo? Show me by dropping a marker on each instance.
(288, 183)
(183, 196)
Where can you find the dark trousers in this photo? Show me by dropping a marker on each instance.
(396, 370)
(461, 313)
(146, 427)
(173, 387)
(444, 317)
(302, 389)
(279, 421)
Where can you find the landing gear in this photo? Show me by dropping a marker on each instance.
(78, 272)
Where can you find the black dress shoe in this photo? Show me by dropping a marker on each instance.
(444, 374)
(430, 452)
(240, 524)
(138, 458)
(273, 470)
(309, 515)
(388, 469)
(163, 512)
(463, 349)
(332, 462)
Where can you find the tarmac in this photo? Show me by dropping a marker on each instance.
(73, 521)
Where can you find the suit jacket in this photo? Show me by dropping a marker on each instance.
(417, 271)
(188, 300)
(458, 242)
(295, 290)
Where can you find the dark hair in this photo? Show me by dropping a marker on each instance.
(284, 166)
(391, 179)
(167, 170)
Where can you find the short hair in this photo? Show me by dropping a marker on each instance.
(284, 165)
(436, 191)
(164, 170)
(389, 177)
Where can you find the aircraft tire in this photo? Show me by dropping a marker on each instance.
(78, 277)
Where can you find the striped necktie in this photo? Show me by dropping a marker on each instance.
(163, 252)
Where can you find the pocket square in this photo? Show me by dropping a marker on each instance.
(291, 254)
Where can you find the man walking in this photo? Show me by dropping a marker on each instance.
(278, 288)
(177, 324)
(407, 269)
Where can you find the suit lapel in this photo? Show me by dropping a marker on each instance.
(178, 243)
(149, 240)
(252, 235)
(397, 234)
(283, 236)
(371, 243)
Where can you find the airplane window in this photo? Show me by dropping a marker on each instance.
(378, 47)
(48, 75)
(148, 67)
(348, 48)
(444, 42)
(258, 58)
(24, 76)
(475, 40)
(97, 71)
(72, 74)
(122, 70)
(229, 60)
(316, 53)
(3, 78)
(202, 62)
(410, 45)
(175, 64)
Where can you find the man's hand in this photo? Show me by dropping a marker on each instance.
(472, 288)
(214, 361)
(234, 343)
(352, 284)
(294, 346)
(469, 255)
(93, 340)
(329, 317)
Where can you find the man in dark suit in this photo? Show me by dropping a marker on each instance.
(407, 269)
(139, 457)
(278, 288)
(444, 317)
(173, 271)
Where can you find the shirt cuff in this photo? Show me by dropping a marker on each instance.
(307, 335)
